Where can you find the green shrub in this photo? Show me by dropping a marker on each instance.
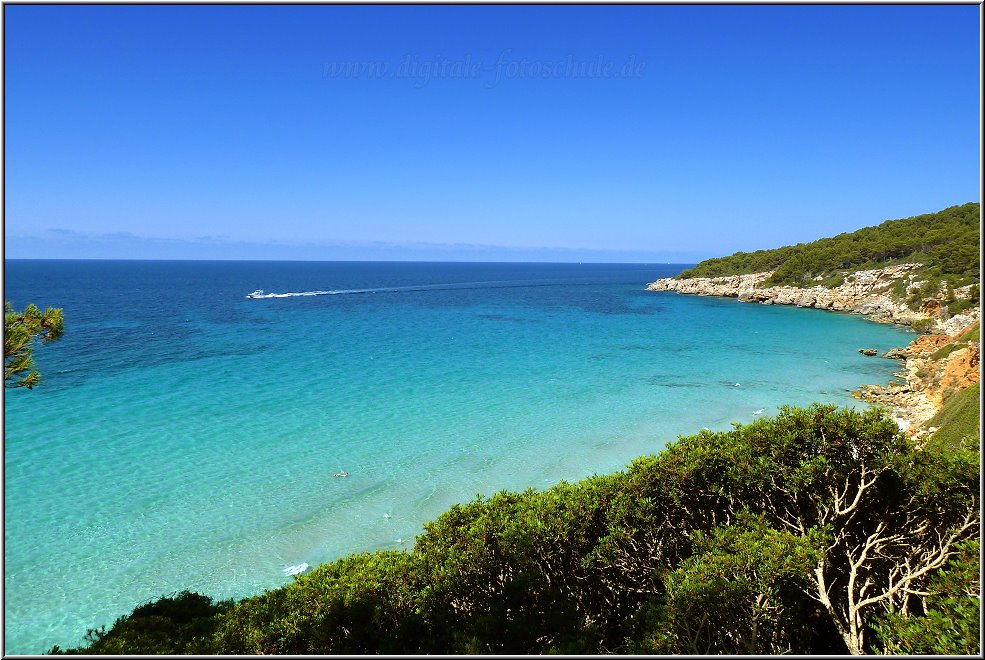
(898, 290)
(946, 350)
(930, 288)
(833, 280)
(958, 423)
(922, 325)
(176, 624)
(737, 594)
(957, 306)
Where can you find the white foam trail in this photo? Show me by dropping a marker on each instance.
(292, 294)
(296, 569)
(393, 289)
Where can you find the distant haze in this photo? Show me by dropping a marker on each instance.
(68, 245)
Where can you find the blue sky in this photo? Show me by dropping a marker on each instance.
(630, 133)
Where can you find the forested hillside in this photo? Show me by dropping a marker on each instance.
(822, 530)
(946, 242)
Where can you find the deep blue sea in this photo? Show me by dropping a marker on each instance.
(186, 437)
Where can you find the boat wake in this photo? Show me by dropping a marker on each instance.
(260, 294)
(296, 569)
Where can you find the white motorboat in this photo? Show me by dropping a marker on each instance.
(256, 294)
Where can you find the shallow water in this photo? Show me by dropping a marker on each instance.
(185, 437)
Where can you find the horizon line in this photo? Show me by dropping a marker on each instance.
(429, 261)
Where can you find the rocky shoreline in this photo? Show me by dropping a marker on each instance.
(931, 371)
(934, 367)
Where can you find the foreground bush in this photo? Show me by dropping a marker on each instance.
(818, 531)
(182, 623)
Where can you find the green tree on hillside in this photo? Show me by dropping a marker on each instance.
(20, 334)
(947, 243)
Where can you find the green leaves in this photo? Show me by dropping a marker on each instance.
(951, 623)
(20, 332)
(946, 242)
(180, 623)
(741, 592)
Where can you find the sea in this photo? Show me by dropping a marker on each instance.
(185, 436)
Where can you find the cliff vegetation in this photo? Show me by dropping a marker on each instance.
(958, 424)
(946, 243)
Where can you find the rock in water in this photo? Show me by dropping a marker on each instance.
(867, 351)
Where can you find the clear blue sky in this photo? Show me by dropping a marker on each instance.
(251, 131)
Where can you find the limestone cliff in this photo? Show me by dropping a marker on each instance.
(867, 292)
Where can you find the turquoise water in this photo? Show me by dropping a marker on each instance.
(185, 437)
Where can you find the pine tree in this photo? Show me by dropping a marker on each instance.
(20, 332)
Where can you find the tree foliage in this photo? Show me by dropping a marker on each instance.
(946, 242)
(180, 623)
(21, 331)
(739, 593)
(886, 516)
(803, 533)
(951, 622)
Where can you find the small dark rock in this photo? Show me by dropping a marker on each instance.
(867, 351)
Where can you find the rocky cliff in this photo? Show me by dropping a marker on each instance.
(934, 368)
(867, 292)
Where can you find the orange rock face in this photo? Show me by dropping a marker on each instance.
(926, 344)
(960, 371)
(931, 308)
